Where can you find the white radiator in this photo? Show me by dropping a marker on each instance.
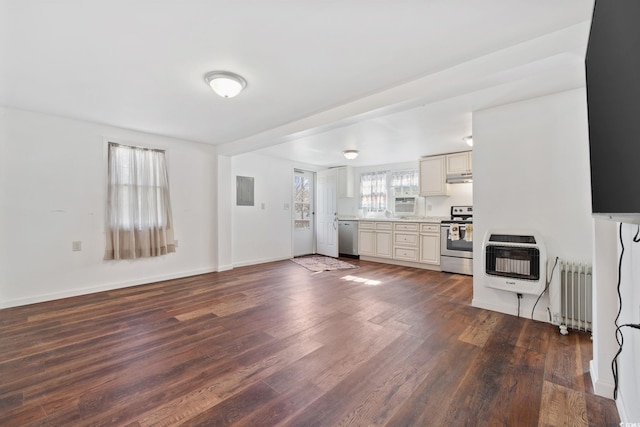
(573, 302)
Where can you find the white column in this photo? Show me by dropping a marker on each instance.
(224, 218)
(605, 305)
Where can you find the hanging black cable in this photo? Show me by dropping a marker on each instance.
(545, 288)
(614, 364)
(619, 337)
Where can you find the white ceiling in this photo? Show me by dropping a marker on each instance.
(395, 79)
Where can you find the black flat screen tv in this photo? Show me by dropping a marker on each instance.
(613, 100)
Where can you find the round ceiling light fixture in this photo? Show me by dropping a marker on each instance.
(225, 83)
(350, 154)
(468, 140)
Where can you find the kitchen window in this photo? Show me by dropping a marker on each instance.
(405, 183)
(378, 189)
(373, 191)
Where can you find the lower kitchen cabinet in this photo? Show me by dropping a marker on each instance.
(366, 242)
(383, 244)
(405, 243)
(375, 239)
(430, 244)
(406, 254)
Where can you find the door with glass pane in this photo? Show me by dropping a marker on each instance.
(303, 213)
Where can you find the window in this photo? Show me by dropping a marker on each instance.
(302, 202)
(139, 222)
(405, 183)
(373, 191)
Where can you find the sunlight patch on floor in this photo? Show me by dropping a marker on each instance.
(362, 280)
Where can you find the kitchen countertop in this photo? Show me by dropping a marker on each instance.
(432, 219)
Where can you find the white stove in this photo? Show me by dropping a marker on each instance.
(456, 241)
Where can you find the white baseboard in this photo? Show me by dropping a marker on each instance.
(224, 267)
(600, 387)
(118, 285)
(622, 410)
(400, 262)
(101, 288)
(259, 261)
(605, 389)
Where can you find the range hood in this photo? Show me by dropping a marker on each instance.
(459, 178)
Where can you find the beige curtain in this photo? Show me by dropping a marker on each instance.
(139, 222)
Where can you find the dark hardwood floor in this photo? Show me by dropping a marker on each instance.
(275, 344)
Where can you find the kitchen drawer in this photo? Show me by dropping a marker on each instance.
(405, 239)
(384, 226)
(405, 254)
(366, 225)
(429, 228)
(406, 226)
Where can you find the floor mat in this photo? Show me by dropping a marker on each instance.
(322, 263)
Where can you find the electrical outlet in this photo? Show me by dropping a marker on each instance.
(286, 206)
(175, 242)
(76, 246)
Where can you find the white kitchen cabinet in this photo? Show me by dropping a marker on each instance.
(433, 176)
(430, 244)
(384, 239)
(345, 182)
(408, 243)
(375, 238)
(383, 244)
(405, 242)
(367, 242)
(459, 162)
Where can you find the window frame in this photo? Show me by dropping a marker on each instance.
(390, 188)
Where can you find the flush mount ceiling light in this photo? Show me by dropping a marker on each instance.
(468, 140)
(225, 83)
(350, 154)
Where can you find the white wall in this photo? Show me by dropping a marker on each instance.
(52, 192)
(459, 195)
(263, 235)
(531, 171)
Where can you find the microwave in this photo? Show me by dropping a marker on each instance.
(404, 206)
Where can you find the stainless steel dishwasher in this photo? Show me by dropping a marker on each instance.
(348, 238)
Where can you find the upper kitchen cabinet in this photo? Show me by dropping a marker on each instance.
(433, 176)
(459, 162)
(345, 182)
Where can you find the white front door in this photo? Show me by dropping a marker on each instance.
(327, 214)
(303, 213)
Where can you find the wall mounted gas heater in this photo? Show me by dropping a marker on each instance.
(515, 261)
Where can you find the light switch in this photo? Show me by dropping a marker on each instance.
(262, 206)
(76, 246)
